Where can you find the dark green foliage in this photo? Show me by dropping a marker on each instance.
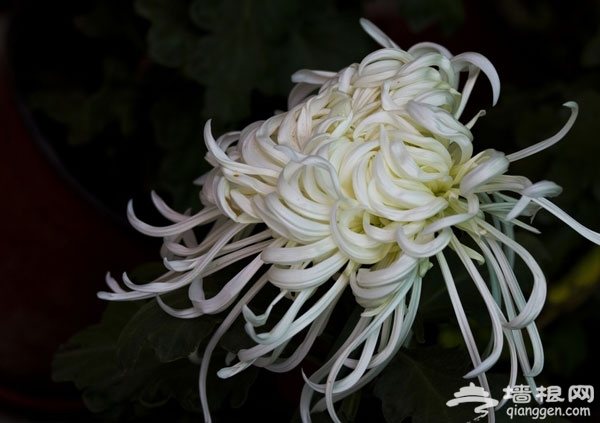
(136, 359)
(419, 382)
(420, 14)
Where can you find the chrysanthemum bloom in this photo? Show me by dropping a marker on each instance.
(363, 186)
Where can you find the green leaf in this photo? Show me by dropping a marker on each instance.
(590, 57)
(136, 359)
(179, 132)
(162, 11)
(236, 48)
(169, 337)
(419, 382)
(302, 45)
(110, 20)
(86, 358)
(419, 14)
(206, 14)
(171, 39)
(178, 380)
(86, 115)
(115, 391)
(224, 394)
(169, 44)
(61, 105)
(89, 360)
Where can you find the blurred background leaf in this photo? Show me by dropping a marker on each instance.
(420, 14)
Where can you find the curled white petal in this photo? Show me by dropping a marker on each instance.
(495, 164)
(377, 34)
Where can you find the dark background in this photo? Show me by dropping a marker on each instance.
(102, 101)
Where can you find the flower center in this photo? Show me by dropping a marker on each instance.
(361, 180)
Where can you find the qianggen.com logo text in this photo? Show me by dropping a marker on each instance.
(543, 412)
(546, 401)
(550, 396)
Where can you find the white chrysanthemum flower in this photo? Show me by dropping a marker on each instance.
(362, 186)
